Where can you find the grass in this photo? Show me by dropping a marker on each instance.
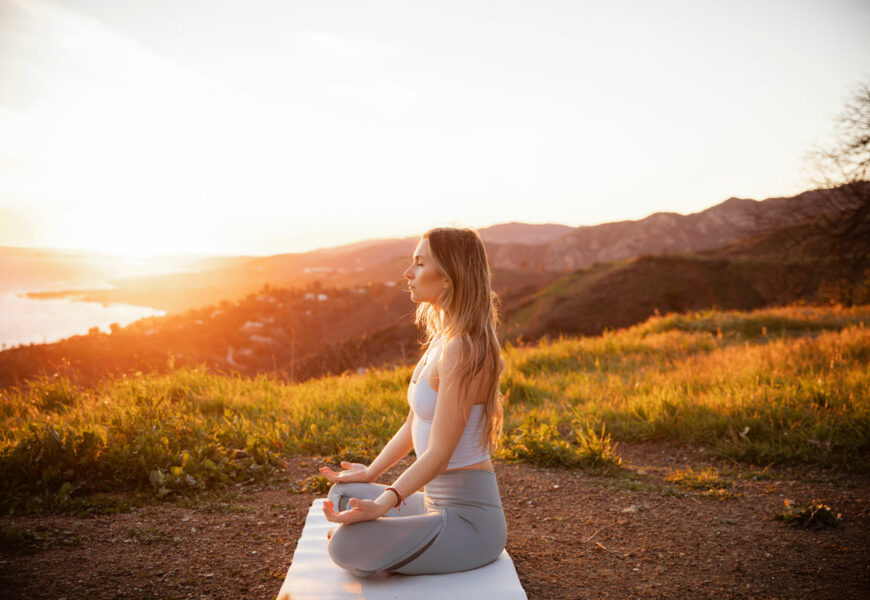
(785, 385)
(545, 445)
(705, 479)
(814, 515)
(315, 484)
(782, 385)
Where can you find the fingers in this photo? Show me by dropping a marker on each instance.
(355, 512)
(334, 517)
(329, 512)
(330, 474)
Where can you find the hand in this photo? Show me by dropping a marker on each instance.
(352, 473)
(360, 510)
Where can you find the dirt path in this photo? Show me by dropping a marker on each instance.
(571, 535)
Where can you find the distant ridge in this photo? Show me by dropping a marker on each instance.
(523, 233)
(513, 246)
(666, 232)
(343, 309)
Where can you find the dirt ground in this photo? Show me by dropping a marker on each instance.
(571, 534)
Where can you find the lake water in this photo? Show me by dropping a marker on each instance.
(26, 320)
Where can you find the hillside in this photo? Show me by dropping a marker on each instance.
(511, 246)
(620, 294)
(293, 333)
(297, 334)
(325, 323)
(793, 379)
(666, 460)
(663, 232)
(678, 452)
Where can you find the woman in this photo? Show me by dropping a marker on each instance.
(454, 421)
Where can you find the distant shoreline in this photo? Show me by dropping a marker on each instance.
(46, 317)
(74, 295)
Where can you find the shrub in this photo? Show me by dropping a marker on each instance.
(542, 444)
(814, 515)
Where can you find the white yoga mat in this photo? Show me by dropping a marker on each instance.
(313, 576)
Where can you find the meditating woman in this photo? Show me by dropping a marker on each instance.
(454, 420)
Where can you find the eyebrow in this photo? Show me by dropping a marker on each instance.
(416, 256)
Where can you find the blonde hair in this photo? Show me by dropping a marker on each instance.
(467, 309)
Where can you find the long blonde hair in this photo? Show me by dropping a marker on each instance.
(467, 309)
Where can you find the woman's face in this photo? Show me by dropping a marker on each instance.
(424, 281)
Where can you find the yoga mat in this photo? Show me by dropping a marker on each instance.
(313, 576)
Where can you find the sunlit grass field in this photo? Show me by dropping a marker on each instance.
(781, 385)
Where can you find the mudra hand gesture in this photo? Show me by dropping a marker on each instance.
(358, 510)
(351, 473)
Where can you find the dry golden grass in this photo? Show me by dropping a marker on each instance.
(775, 385)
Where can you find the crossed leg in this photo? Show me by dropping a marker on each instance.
(340, 493)
(382, 544)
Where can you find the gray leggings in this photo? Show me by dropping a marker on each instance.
(458, 524)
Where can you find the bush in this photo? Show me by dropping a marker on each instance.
(542, 444)
(814, 515)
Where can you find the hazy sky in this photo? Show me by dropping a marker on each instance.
(275, 126)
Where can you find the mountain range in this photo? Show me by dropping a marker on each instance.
(343, 308)
(515, 249)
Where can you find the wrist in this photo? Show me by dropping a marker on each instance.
(386, 501)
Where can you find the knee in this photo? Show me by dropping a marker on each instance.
(338, 548)
(336, 492)
(340, 493)
(345, 553)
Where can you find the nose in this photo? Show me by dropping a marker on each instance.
(407, 273)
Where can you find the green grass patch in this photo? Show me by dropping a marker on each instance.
(543, 444)
(706, 478)
(774, 386)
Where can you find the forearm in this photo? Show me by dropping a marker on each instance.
(425, 469)
(397, 448)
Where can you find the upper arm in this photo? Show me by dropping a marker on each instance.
(452, 408)
(409, 422)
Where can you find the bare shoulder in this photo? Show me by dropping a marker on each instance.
(451, 354)
(451, 357)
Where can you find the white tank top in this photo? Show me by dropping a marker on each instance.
(422, 398)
